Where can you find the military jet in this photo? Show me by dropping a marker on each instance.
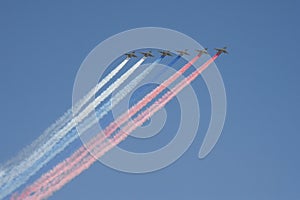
(203, 51)
(165, 53)
(130, 55)
(221, 50)
(147, 54)
(183, 52)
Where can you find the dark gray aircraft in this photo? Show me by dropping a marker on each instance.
(165, 53)
(203, 51)
(183, 52)
(130, 55)
(147, 54)
(222, 50)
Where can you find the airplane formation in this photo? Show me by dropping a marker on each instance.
(180, 52)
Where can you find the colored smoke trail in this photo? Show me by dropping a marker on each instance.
(81, 159)
(36, 161)
(175, 60)
(170, 65)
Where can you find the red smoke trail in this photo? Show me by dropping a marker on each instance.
(89, 160)
(79, 154)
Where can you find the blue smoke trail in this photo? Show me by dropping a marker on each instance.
(174, 60)
(159, 75)
(170, 65)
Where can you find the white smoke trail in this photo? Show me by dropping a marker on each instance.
(93, 91)
(27, 151)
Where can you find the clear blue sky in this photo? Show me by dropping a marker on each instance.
(42, 45)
